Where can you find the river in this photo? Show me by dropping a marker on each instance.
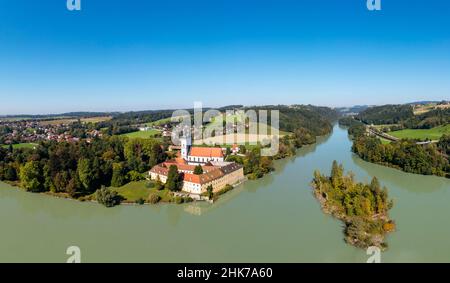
(274, 219)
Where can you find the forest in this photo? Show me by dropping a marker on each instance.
(406, 154)
(403, 117)
(80, 168)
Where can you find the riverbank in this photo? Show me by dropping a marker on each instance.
(408, 155)
(279, 206)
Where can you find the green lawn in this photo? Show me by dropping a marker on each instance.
(134, 191)
(422, 134)
(142, 134)
(21, 145)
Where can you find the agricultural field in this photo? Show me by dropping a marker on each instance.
(142, 134)
(158, 122)
(422, 134)
(420, 109)
(67, 121)
(162, 122)
(246, 139)
(239, 119)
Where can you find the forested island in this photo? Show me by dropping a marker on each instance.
(362, 207)
(111, 168)
(395, 136)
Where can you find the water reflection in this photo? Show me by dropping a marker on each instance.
(252, 186)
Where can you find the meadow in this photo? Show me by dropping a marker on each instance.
(422, 134)
(67, 121)
(21, 145)
(142, 134)
(140, 190)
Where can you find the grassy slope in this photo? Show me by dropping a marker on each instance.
(142, 134)
(433, 134)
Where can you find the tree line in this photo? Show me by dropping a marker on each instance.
(80, 168)
(406, 154)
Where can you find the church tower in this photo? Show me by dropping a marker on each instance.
(185, 147)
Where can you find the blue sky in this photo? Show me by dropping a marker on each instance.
(152, 54)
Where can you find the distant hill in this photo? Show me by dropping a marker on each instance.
(352, 110)
(61, 115)
(386, 114)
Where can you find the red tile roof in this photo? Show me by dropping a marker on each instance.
(210, 172)
(206, 152)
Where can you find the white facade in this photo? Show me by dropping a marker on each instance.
(185, 147)
(194, 160)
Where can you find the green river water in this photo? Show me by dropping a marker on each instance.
(274, 219)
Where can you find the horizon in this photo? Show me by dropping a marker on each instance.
(145, 55)
(206, 107)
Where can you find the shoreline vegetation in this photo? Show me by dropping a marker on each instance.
(114, 169)
(363, 208)
(407, 154)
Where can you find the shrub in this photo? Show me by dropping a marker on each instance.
(159, 185)
(140, 201)
(150, 185)
(107, 197)
(188, 199)
(154, 198)
(179, 200)
(135, 176)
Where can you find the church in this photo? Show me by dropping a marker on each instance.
(195, 155)
(215, 171)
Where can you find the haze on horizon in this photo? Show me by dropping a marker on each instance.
(144, 55)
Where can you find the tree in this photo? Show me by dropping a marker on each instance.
(210, 191)
(157, 154)
(10, 173)
(118, 175)
(174, 180)
(198, 170)
(31, 177)
(375, 185)
(107, 197)
(74, 186)
(86, 174)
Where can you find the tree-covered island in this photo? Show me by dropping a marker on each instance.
(362, 207)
